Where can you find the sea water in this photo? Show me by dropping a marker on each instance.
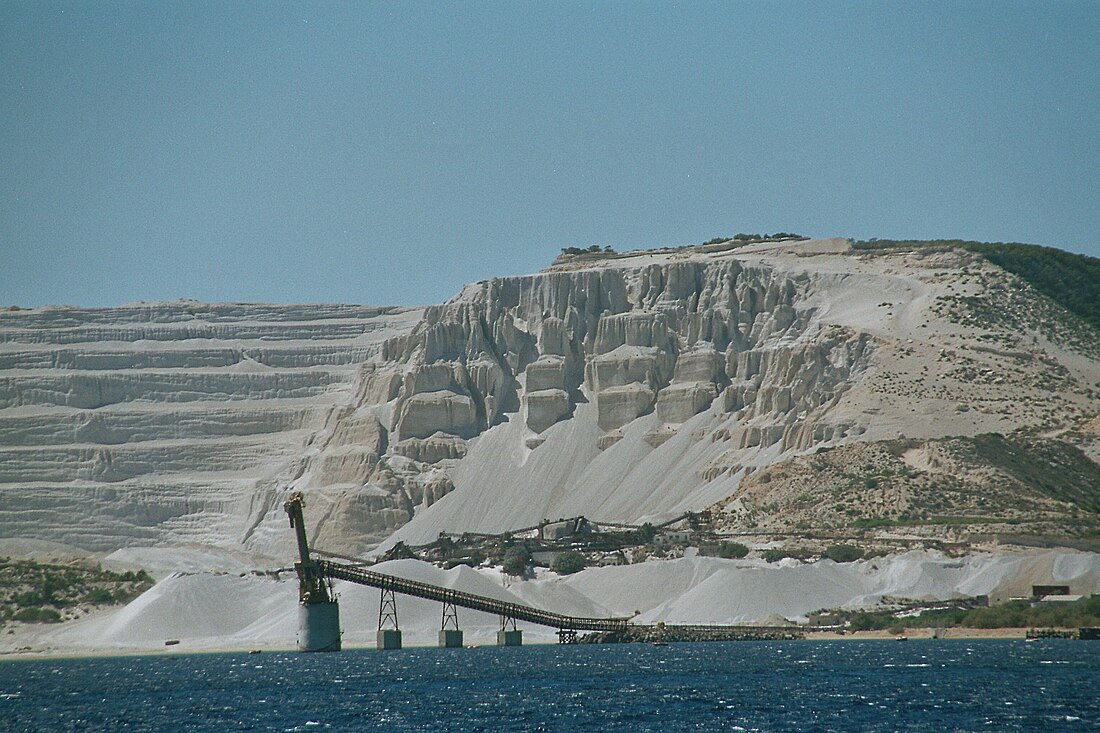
(939, 686)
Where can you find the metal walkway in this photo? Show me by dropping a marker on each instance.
(517, 611)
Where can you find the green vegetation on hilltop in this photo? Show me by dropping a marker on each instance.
(740, 239)
(592, 250)
(745, 238)
(1014, 614)
(1070, 280)
(1052, 467)
(42, 592)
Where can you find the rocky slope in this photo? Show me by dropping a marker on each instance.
(621, 387)
(947, 488)
(167, 422)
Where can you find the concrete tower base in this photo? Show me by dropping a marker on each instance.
(389, 639)
(450, 639)
(510, 638)
(319, 627)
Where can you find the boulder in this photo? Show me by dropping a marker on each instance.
(678, 402)
(616, 406)
(546, 407)
(422, 415)
(609, 439)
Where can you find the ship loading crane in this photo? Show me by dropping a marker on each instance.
(318, 607)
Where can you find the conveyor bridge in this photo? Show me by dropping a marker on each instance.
(516, 611)
(319, 618)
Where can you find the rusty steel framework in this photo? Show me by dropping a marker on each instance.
(312, 584)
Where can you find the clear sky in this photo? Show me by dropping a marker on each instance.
(386, 153)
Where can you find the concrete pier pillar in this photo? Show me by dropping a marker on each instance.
(510, 638)
(319, 627)
(450, 639)
(389, 638)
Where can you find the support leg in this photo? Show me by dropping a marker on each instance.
(389, 632)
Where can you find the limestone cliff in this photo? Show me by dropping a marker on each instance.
(625, 388)
(640, 386)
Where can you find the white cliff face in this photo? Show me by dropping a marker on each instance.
(602, 391)
(630, 388)
(639, 387)
(167, 422)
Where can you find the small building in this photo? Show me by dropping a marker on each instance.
(564, 528)
(1060, 598)
(673, 537)
(545, 557)
(612, 558)
(1041, 591)
(826, 619)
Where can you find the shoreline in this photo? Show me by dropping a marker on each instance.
(926, 632)
(916, 633)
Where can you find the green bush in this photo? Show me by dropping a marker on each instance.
(516, 560)
(843, 553)
(732, 550)
(99, 595)
(862, 621)
(568, 563)
(37, 615)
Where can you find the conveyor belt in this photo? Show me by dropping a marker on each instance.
(515, 611)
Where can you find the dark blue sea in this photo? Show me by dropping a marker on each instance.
(937, 686)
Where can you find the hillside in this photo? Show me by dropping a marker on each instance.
(946, 488)
(166, 423)
(1070, 280)
(624, 387)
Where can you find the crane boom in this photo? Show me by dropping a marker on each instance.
(311, 582)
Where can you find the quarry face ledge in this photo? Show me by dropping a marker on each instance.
(167, 422)
(628, 389)
(515, 361)
(666, 336)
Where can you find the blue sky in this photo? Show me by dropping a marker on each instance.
(386, 153)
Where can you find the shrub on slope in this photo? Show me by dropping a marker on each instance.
(1070, 280)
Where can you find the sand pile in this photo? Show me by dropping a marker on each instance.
(222, 610)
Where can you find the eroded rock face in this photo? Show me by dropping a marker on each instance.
(669, 337)
(639, 387)
(672, 340)
(180, 422)
(546, 407)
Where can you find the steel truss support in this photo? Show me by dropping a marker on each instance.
(450, 615)
(387, 610)
(506, 622)
(567, 636)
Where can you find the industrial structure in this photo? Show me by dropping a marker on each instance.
(318, 608)
(319, 617)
